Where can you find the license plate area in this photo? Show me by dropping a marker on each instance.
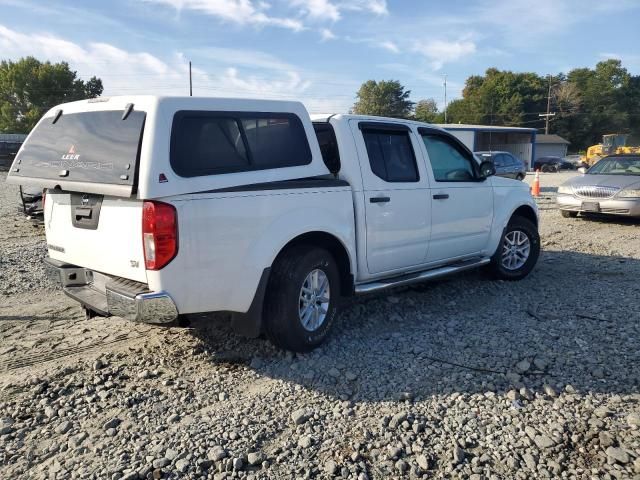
(591, 206)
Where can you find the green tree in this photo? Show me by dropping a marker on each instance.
(387, 98)
(427, 111)
(28, 88)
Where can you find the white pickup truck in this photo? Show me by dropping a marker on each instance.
(157, 207)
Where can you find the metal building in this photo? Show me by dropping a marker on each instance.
(550, 146)
(519, 141)
(10, 143)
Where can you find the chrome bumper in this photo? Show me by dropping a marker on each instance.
(610, 206)
(110, 295)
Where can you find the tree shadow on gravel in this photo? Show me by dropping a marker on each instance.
(573, 323)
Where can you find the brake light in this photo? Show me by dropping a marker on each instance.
(159, 234)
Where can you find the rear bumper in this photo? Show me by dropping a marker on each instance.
(110, 295)
(611, 206)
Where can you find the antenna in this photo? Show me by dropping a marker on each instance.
(445, 98)
(190, 81)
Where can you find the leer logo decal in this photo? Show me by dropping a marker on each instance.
(71, 155)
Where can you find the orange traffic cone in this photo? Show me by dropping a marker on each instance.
(535, 188)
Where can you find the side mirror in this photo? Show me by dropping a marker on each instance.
(582, 170)
(487, 169)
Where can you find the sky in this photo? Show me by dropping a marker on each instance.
(315, 51)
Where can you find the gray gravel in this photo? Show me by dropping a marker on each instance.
(462, 378)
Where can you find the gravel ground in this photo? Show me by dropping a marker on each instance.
(462, 378)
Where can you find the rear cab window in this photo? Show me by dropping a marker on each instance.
(210, 143)
(328, 143)
(100, 147)
(391, 155)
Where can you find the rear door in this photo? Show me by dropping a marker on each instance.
(88, 161)
(396, 196)
(462, 210)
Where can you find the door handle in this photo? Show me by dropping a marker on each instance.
(379, 199)
(441, 196)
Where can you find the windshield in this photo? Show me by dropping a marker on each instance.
(616, 166)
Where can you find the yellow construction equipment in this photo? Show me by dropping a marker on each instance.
(611, 143)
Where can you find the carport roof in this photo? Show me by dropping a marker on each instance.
(542, 138)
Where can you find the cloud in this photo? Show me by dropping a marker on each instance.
(379, 7)
(318, 9)
(241, 57)
(217, 71)
(330, 10)
(375, 42)
(392, 47)
(440, 52)
(327, 34)
(241, 12)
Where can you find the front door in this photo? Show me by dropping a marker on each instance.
(396, 196)
(462, 209)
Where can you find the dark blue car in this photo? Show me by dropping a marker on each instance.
(507, 165)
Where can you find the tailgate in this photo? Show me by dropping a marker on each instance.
(102, 233)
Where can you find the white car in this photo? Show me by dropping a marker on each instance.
(163, 206)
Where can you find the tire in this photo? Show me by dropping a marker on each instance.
(284, 307)
(520, 177)
(568, 214)
(546, 168)
(499, 266)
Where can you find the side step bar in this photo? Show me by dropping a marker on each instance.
(420, 276)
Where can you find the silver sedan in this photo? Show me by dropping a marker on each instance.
(611, 186)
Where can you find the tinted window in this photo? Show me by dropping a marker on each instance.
(500, 160)
(205, 143)
(511, 161)
(391, 155)
(328, 146)
(95, 147)
(448, 161)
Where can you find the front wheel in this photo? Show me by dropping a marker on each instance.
(302, 298)
(518, 251)
(520, 177)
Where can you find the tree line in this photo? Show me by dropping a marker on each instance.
(587, 102)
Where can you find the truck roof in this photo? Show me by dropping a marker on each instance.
(180, 102)
(323, 117)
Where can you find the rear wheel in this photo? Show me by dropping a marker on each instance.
(568, 214)
(520, 177)
(518, 251)
(302, 298)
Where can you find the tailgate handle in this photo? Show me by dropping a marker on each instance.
(82, 212)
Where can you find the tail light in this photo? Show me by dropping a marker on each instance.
(159, 234)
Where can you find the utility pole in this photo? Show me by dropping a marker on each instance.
(548, 114)
(445, 99)
(190, 81)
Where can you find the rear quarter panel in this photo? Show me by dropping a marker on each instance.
(226, 240)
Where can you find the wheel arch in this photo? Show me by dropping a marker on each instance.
(334, 246)
(526, 211)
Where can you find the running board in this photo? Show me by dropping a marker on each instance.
(420, 276)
